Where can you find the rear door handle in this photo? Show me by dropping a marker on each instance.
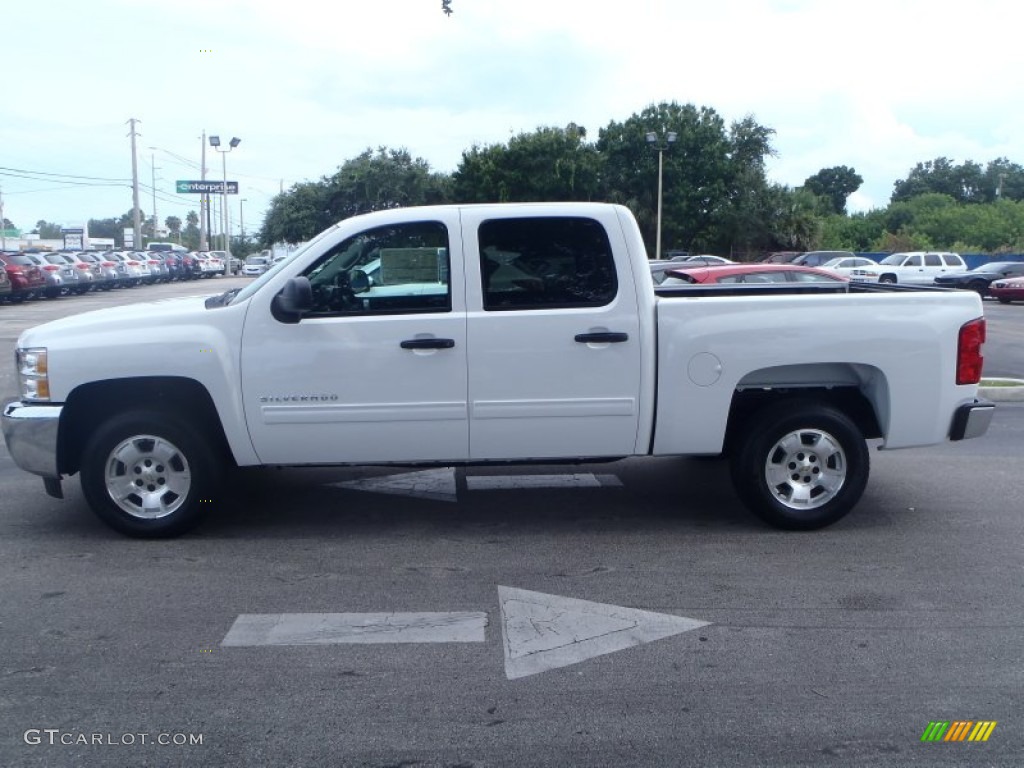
(428, 344)
(604, 337)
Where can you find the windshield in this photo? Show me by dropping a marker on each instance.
(258, 283)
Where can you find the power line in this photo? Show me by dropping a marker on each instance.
(66, 175)
(110, 183)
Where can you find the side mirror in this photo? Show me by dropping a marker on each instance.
(359, 281)
(292, 301)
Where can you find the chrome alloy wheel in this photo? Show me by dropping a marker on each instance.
(805, 469)
(147, 476)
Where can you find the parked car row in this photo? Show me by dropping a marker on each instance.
(941, 268)
(1003, 280)
(49, 274)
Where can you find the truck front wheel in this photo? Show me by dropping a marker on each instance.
(148, 474)
(800, 466)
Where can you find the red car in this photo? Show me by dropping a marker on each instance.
(1007, 290)
(759, 273)
(26, 278)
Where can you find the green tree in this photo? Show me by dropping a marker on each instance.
(1003, 180)
(702, 171)
(835, 184)
(796, 223)
(173, 224)
(547, 165)
(296, 215)
(856, 232)
(190, 234)
(963, 183)
(47, 230)
(372, 181)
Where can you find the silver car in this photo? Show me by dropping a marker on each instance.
(108, 277)
(85, 267)
(135, 271)
(152, 264)
(61, 277)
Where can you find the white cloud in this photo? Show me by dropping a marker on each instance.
(878, 86)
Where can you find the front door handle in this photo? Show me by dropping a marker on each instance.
(603, 337)
(428, 344)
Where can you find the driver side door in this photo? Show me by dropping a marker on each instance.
(377, 371)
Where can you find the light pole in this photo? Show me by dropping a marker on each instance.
(659, 146)
(241, 216)
(204, 198)
(215, 143)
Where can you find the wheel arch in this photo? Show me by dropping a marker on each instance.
(859, 391)
(89, 405)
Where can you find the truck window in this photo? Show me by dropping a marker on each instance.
(545, 263)
(399, 268)
(932, 260)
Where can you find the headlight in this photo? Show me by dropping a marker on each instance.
(33, 375)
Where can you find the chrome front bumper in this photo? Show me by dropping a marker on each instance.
(30, 432)
(972, 420)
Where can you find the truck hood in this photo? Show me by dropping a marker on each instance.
(150, 314)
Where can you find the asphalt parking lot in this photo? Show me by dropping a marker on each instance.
(629, 613)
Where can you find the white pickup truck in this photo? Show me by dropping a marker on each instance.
(491, 333)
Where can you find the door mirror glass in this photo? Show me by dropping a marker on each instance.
(359, 281)
(293, 301)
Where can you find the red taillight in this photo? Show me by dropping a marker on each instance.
(968, 352)
(51, 268)
(82, 266)
(108, 263)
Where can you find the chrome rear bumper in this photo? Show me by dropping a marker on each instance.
(972, 420)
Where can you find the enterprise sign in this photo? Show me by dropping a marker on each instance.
(185, 187)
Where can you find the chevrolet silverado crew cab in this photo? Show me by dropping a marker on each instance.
(491, 333)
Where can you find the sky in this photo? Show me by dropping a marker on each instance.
(877, 85)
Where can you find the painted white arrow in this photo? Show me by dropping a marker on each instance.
(539, 632)
(440, 485)
(434, 484)
(542, 632)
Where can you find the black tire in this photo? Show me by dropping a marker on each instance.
(889, 279)
(1003, 300)
(173, 465)
(782, 473)
(980, 287)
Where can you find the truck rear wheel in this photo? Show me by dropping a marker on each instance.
(800, 466)
(149, 474)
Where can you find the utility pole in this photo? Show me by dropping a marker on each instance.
(152, 163)
(136, 216)
(204, 201)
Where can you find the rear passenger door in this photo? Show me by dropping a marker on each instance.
(553, 335)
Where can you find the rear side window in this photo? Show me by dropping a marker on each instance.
(932, 260)
(546, 263)
(951, 260)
